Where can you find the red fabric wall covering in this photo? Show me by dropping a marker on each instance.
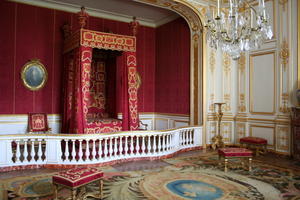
(33, 32)
(146, 68)
(172, 72)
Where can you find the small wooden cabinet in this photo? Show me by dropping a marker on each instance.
(295, 125)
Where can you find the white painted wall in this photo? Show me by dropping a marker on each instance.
(259, 88)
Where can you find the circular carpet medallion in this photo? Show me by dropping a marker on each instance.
(205, 185)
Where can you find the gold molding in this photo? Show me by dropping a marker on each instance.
(261, 126)
(251, 81)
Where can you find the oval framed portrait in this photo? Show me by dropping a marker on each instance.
(34, 75)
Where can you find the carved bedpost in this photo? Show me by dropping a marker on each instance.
(134, 25)
(82, 17)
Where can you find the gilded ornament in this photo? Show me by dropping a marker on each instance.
(283, 2)
(242, 62)
(212, 60)
(226, 62)
(284, 53)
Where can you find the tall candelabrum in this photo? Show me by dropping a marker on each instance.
(217, 141)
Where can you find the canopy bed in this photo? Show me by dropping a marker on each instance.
(91, 62)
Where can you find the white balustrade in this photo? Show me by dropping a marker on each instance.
(65, 149)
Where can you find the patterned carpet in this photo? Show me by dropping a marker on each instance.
(185, 177)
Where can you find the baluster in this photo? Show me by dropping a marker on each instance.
(169, 142)
(121, 146)
(192, 137)
(163, 142)
(143, 145)
(159, 144)
(80, 153)
(63, 152)
(32, 151)
(126, 145)
(154, 144)
(18, 154)
(39, 153)
(187, 137)
(25, 153)
(94, 150)
(67, 150)
(131, 145)
(111, 150)
(116, 147)
(149, 145)
(73, 153)
(137, 146)
(183, 137)
(87, 150)
(10, 154)
(187, 132)
(100, 149)
(105, 148)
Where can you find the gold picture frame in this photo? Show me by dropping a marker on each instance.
(34, 75)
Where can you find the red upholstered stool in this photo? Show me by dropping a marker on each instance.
(76, 178)
(228, 153)
(256, 142)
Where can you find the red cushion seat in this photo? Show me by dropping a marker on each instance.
(253, 140)
(77, 177)
(235, 152)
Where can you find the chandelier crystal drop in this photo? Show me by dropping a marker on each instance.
(238, 27)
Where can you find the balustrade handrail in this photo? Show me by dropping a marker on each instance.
(65, 149)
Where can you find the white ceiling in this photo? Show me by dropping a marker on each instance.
(121, 10)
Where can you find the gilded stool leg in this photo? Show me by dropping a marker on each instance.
(101, 188)
(250, 164)
(257, 151)
(73, 194)
(55, 191)
(226, 162)
(243, 164)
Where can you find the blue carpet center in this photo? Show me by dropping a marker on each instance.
(193, 189)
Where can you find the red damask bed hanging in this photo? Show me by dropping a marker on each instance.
(84, 87)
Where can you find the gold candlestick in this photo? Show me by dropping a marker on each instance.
(218, 139)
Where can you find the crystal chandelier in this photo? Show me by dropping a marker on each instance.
(238, 27)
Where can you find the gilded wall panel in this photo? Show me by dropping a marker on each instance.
(282, 138)
(263, 73)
